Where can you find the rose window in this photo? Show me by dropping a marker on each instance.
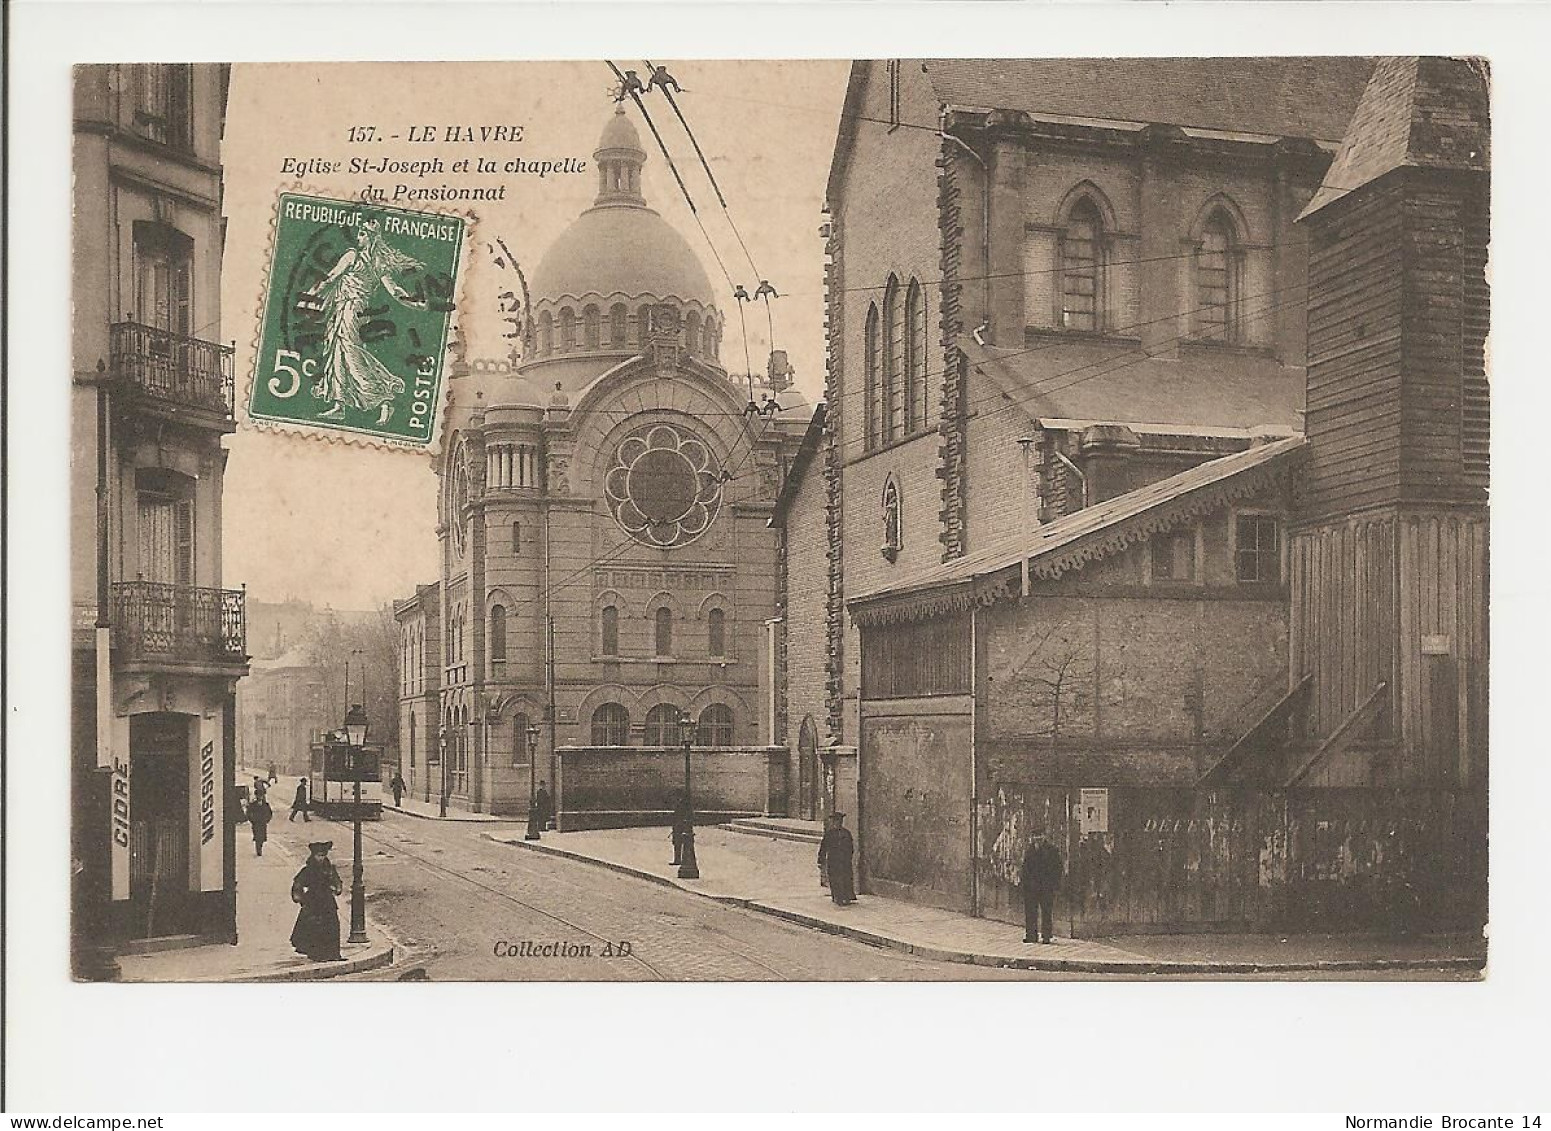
(663, 487)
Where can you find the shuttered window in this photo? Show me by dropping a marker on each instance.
(1080, 269)
(1216, 282)
(916, 659)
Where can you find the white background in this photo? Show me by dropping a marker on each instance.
(1378, 1047)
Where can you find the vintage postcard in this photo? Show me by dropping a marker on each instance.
(831, 520)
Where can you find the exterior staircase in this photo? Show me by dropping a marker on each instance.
(778, 828)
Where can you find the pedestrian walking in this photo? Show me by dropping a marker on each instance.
(1043, 869)
(398, 787)
(274, 775)
(539, 813)
(259, 815)
(316, 933)
(836, 852)
(683, 826)
(299, 802)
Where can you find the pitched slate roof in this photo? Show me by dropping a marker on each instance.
(1207, 389)
(1305, 97)
(1427, 112)
(1103, 528)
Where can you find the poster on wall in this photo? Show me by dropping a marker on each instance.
(1094, 811)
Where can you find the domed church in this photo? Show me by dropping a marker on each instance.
(606, 559)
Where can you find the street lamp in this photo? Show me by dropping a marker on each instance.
(355, 736)
(443, 744)
(689, 867)
(533, 782)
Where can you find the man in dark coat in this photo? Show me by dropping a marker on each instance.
(398, 787)
(259, 815)
(836, 853)
(1042, 872)
(683, 826)
(539, 814)
(299, 802)
(316, 933)
(274, 775)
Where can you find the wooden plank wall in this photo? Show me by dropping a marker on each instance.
(1367, 595)
(1355, 309)
(1344, 629)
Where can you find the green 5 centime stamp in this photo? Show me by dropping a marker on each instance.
(357, 314)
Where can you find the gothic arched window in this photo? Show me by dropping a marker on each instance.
(716, 633)
(1217, 279)
(872, 379)
(915, 358)
(893, 359)
(1082, 306)
(498, 634)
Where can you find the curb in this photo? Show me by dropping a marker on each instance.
(1050, 965)
(478, 819)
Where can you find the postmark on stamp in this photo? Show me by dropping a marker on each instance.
(357, 315)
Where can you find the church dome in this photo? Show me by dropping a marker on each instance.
(594, 289)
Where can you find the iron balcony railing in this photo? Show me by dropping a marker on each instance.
(156, 621)
(172, 367)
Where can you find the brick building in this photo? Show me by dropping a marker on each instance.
(606, 558)
(1110, 253)
(158, 644)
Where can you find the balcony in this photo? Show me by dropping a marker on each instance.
(155, 623)
(171, 368)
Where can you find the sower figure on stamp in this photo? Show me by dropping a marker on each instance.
(539, 814)
(1043, 869)
(316, 933)
(259, 814)
(683, 825)
(836, 853)
(299, 802)
(351, 373)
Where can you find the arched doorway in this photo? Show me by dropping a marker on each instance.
(808, 770)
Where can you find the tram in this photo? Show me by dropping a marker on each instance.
(336, 767)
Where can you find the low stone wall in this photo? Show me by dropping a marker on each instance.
(613, 787)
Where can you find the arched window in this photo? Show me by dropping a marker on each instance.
(619, 323)
(520, 739)
(893, 358)
(708, 337)
(497, 634)
(915, 358)
(611, 725)
(411, 740)
(592, 328)
(692, 332)
(872, 378)
(662, 726)
(1217, 296)
(546, 333)
(610, 630)
(664, 633)
(516, 538)
(567, 328)
(643, 324)
(1081, 268)
(716, 632)
(715, 726)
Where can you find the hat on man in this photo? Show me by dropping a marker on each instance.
(321, 845)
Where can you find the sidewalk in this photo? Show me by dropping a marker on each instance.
(431, 811)
(780, 878)
(265, 915)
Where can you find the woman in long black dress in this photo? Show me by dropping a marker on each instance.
(316, 933)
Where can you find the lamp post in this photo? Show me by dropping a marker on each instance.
(533, 781)
(689, 867)
(355, 735)
(443, 745)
